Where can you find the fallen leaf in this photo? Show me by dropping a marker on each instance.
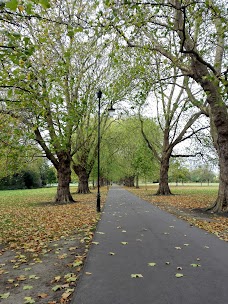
(57, 279)
(57, 287)
(27, 287)
(178, 248)
(152, 264)
(77, 263)
(195, 265)
(95, 243)
(136, 275)
(72, 248)
(33, 276)
(42, 295)
(88, 273)
(124, 243)
(29, 300)
(21, 278)
(179, 275)
(4, 295)
(111, 253)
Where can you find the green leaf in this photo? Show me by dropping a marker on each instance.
(179, 275)
(195, 265)
(27, 287)
(152, 264)
(70, 33)
(45, 3)
(76, 264)
(136, 275)
(56, 287)
(124, 243)
(33, 276)
(4, 295)
(29, 300)
(12, 5)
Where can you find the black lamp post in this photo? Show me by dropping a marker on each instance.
(111, 111)
(99, 94)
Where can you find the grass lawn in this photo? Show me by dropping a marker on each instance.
(187, 203)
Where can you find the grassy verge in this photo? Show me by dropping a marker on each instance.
(188, 203)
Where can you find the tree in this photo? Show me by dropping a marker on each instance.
(200, 54)
(178, 172)
(202, 174)
(176, 119)
(47, 90)
(124, 158)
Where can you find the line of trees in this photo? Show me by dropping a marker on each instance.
(55, 55)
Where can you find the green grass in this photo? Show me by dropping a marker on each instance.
(27, 197)
(195, 190)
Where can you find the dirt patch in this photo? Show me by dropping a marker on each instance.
(49, 277)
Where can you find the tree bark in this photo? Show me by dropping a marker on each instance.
(63, 195)
(83, 176)
(137, 181)
(163, 188)
(219, 117)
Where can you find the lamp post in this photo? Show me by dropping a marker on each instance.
(111, 111)
(99, 94)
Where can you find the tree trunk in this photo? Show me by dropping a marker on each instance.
(163, 188)
(221, 203)
(137, 181)
(129, 181)
(219, 118)
(83, 176)
(63, 195)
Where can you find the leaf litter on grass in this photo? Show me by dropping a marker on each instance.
(40, 242)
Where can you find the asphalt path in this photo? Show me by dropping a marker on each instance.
(143, 255)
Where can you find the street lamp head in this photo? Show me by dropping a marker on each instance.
(99, 94)
(111, 111)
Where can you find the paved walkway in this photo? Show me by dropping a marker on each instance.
(133, 233)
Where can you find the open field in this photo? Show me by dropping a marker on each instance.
(188, 203)
(42, 245)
